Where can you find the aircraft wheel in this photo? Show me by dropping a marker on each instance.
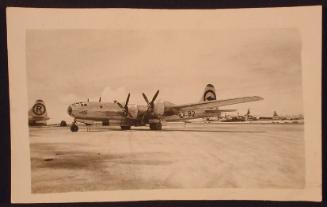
(105, 123)
(63, 123)
(125, 127)
(74, 128)
(155, 126)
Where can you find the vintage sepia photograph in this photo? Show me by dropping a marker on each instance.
(114, 110)
(140, 105)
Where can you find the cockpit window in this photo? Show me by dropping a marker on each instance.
(80, 103)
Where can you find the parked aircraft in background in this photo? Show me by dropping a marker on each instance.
(274, 117)
(154, 114)
(250, 117)
(277, 117)
(37, 115)
(284, 117)
(238, 118)
(295, 117)
(233, 118)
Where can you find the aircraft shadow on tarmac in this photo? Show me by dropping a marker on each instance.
(176, 130)
(201, 130)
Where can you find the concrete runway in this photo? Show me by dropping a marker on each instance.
(179, 156)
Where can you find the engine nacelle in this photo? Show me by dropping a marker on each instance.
(133, 110)
(159, 109)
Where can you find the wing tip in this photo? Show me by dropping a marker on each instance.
(259, 98)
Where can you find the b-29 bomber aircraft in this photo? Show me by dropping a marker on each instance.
(37, 115)
(153, 113)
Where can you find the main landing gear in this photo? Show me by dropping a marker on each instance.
(74, 127)
(155, 126)
(125, 127)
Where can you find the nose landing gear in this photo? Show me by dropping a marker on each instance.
(74, 127)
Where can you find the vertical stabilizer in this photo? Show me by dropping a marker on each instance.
(209, 93)
(275, 114)
(38, 115)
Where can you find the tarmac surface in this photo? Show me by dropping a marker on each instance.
(179, 156)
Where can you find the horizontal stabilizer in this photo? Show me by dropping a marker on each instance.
(219, 110)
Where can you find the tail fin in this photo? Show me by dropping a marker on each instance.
(275, 114)
(38, 113)
(209, 93)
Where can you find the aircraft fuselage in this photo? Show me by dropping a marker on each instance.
(154, 113)
(107, 111)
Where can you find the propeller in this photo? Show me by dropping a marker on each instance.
(151, 103)
(100, 99)
(124, 108)
(150, 108)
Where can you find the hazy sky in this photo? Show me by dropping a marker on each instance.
(65, 66)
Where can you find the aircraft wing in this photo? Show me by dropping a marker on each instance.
(206, 105)
(219, 110)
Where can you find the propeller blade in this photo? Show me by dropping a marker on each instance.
(145, 98)
(100, 99)
(124, 108)
(127, 100)
(119, 104)
(130, 115)
(154, 97)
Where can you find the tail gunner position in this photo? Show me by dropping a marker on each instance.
(153, 113)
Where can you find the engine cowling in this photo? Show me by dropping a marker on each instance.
(133, 110)
(158, 109)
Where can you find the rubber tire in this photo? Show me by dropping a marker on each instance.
(155, 126)
(63, 123)
(74, 128)
(125, 127)
(105, 123)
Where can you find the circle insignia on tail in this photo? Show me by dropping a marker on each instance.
(209, 95)
(39, 109)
